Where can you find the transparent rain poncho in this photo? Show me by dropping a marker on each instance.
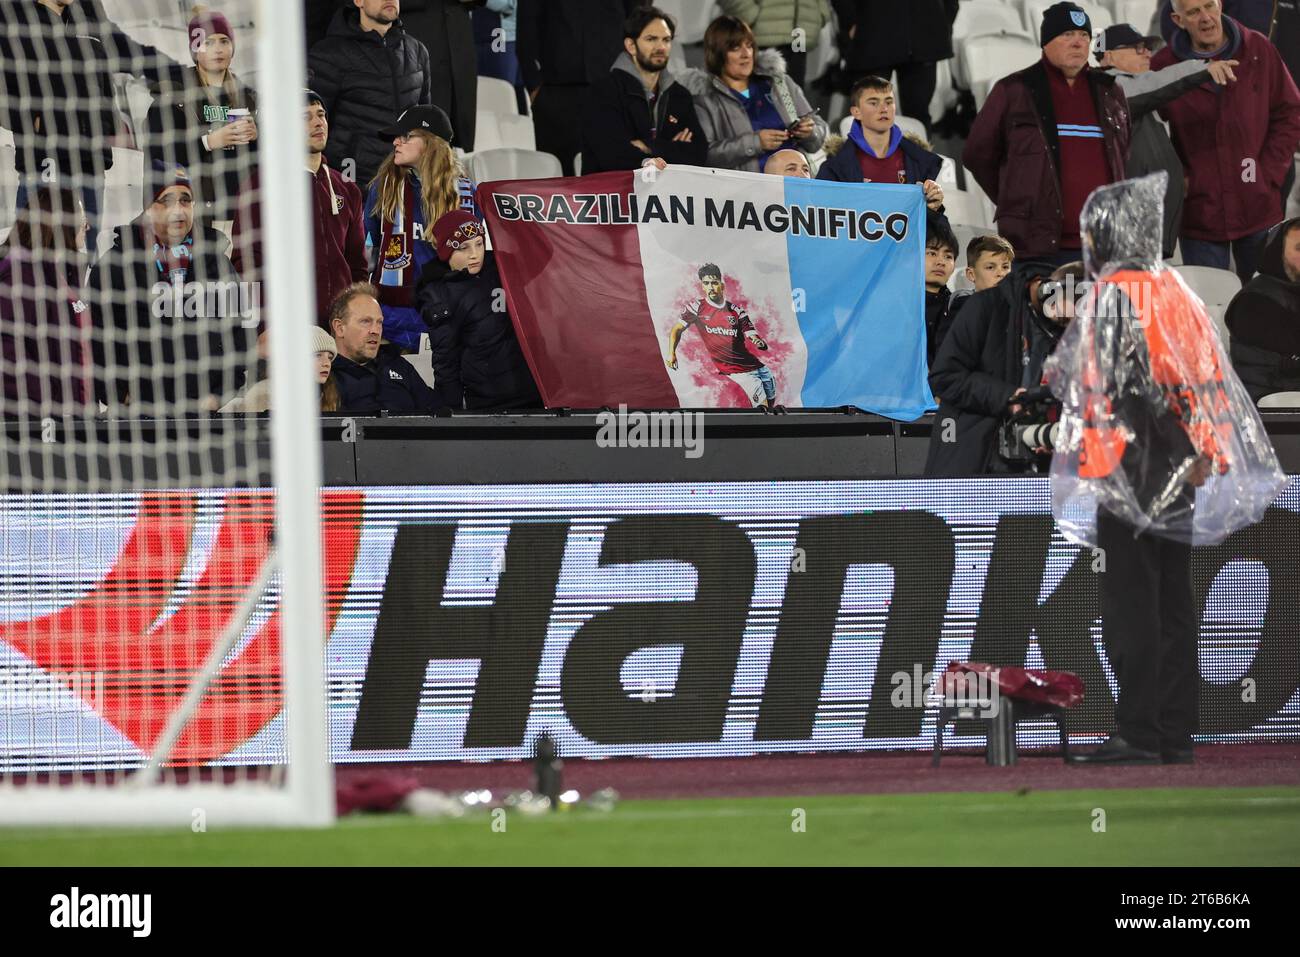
(1150, 403)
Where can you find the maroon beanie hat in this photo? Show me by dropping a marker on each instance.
(206, 22)
(453, 230)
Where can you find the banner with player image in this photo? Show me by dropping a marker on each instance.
(701, 288)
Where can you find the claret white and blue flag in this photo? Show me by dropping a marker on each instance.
(699, 288)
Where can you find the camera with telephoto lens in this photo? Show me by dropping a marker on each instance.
(1035, 426)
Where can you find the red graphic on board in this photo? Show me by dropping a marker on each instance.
(141, 665)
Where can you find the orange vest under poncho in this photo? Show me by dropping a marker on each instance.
(1184, 365)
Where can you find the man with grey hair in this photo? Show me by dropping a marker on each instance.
(1236, 141)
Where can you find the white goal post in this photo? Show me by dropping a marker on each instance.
(65, 763)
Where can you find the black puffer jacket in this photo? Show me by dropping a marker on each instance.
(167, 363)
(365, 80)
(1264, 319)
(890, 33)
(477, 361)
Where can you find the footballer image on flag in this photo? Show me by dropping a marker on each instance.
(725, 328)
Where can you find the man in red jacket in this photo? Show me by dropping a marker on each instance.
(1047, 137)
(337, 221)
(1236, 141)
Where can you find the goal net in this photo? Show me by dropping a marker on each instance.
(163, 601)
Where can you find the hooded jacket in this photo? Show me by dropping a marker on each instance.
(1237, 141)
(1148, 403)
(1150, 149)
(1264, 319)
(774, 21)
(169, 363)
(620, 111)
(365, 80)
(1014, 153)
(733, 143)
(919, 164)
(477, 361)
(977, 368)
(338, 227)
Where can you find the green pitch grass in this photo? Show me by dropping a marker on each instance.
(1245, 826)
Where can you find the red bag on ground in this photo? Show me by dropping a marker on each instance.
(1060, 688)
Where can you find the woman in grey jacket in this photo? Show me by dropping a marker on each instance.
(746, 104)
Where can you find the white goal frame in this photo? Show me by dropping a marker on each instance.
(305, 795)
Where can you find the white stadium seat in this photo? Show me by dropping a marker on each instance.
(966, 209)
(1137, 13)
(489, 165)
(497, 96)
(1215, 287)
(976, 190)
(517, 132)
(948, 173)
(423, 360)
(1280, 400)
(910, 125)
(990, 57)
(693, 18)
(487, 131)
(980, 18)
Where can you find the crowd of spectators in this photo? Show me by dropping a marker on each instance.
(399, 244)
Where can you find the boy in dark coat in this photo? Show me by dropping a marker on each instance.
(940, 263)
(477, 361)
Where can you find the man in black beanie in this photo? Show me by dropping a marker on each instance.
(1040, 175)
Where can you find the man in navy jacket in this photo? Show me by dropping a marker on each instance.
(372, 378)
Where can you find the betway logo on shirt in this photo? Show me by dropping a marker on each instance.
(74, 910)
(716, 331)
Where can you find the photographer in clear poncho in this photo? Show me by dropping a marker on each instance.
(1160, 449)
